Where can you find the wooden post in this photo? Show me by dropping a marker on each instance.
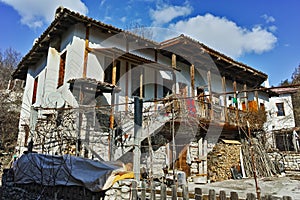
(173, 60)
(153, 191)
(246, 97)
(138, 122)
(185, 193)
(253, 162)
(236, 106)
(112, 117)
(143, 192)
(86, 51)
(155, 88)
(126, 86)
(234, 196)
(163, 192)
(225, 98)
(141, 83)
(174, 192)
(205, 152)
(192, 75)
(114, 72)
(250, 196)
(212, 195)
(134, 193)
(200, 155)
(268, 197)
(222, 195)
(256, 97)
(210, 95)
(198, 194)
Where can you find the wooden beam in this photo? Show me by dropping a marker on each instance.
(112, 110)
(86, 52)
(141, 83)
(211, 113)
(225, 98)
(256, 97)
(237, 107)
(126, 86)
(192, 75)
(173, 60)
(155, 87)
(246, 96)
(114, 71)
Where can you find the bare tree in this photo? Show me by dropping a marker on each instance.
(296, 96)
(10, 100)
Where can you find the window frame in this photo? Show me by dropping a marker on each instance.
(280, 109)
(62, 68)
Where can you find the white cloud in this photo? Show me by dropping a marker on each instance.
(123, 19)
(35, 13)
(272, 28)
(166, 13)
(226, 36)
(268, 19)
(102, 2)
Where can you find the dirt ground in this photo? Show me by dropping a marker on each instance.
(276, 186)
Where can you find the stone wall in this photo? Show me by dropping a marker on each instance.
(290, 161)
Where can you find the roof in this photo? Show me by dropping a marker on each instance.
(286, 90)
(189, 49)
(64, 18)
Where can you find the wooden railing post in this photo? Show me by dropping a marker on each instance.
(198, 194)
(287, 198)
(222, 195)
(212, 195)
(174, 192)
(163, 192)
(134, 190)
(234, 196)
(185, 193)
(143, 192)
(153, 191)
(250, 196)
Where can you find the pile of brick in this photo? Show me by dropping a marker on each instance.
(221, 159)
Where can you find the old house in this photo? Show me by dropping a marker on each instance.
(82, 77)
(282, 134)
(280, 122)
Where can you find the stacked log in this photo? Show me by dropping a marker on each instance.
(264, 166)
(221, 159)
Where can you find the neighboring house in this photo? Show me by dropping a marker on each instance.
(281, 121)
(82, 76)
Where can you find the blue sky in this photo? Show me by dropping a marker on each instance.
(263, 34)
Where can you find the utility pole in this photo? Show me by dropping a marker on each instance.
(138, 124)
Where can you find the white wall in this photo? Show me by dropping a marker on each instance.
(275, 122)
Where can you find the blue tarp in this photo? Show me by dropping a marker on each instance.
(67, 170)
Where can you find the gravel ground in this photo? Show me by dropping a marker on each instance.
(276, 186)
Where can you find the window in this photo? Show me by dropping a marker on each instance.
(35, 85)
(136, 73)
(108, 70)
(61, 73)
(280, 109)
(167, 87)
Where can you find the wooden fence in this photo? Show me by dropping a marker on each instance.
(144, 193)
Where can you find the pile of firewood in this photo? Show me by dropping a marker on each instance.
(221, 159)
